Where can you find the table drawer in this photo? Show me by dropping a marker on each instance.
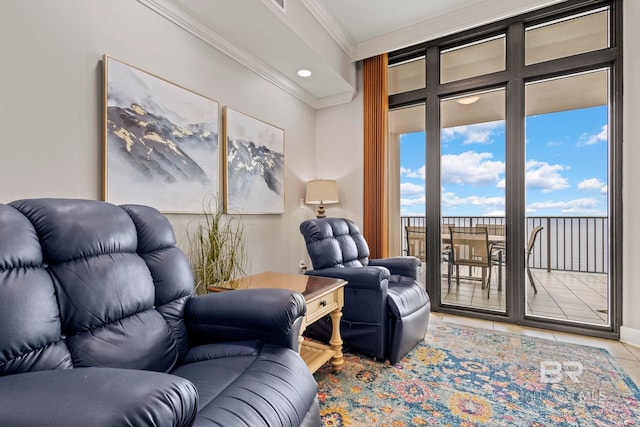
(321, 306)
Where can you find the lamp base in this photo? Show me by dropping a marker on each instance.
(321, 212)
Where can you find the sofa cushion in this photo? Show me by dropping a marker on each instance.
(105, 290)
(248, 383)
(97, 397)
(30, 329)
(169, 268)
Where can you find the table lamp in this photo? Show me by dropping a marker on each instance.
(321, 192)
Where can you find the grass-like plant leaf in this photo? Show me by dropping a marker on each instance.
(217, 249)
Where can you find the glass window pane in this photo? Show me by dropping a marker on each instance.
(406, 177)
(476, 59)
(566, 176)
(407, 76)
(473, 186)
(577, 34)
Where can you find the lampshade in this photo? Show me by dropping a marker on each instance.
(321, 192)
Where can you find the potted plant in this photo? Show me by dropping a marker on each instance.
(217, 252)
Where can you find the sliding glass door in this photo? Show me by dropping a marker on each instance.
(407, 179)
(472, 177)
(567, 203)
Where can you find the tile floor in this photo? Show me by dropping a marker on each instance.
(627, 356)
(561, 295)
(569, 295)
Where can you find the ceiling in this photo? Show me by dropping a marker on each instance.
(363, 20)
(325, 36)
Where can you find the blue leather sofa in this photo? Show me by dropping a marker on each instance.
(386, 310)
(99, 327)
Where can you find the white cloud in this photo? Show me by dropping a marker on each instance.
(409, 173)
(604, 189)
(471, 168)
(412, 202)
(409, 212)
(480, 133)
(594, 139)
(583, 206)
(591, 184)
(410, 189)
(451, 200)
(494, 213)
(542, 175)
(488, 204)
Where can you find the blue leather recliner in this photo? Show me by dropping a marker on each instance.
(99, 327)
(386, 311)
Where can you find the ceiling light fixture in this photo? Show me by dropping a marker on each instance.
(304, 73)
(468, 100)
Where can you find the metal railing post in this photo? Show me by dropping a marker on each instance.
(548, 244)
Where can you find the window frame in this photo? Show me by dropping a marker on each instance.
(514, 78)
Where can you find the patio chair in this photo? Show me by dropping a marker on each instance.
(497, 248)
(530, 245)
(494, 229)
(470, 247)
(416, 245)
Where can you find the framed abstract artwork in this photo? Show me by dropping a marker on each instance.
(160, 141)
(254, 166)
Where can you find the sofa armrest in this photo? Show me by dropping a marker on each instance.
(98, 397)
(403, 265)
(270, 315)
(372, 278)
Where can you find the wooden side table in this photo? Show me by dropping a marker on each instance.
(323, 296)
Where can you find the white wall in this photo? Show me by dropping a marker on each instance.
(51, 106)
(339, 154)
(630, 331)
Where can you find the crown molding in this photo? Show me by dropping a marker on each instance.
(333, 100)
(189, 23)
(331, 26)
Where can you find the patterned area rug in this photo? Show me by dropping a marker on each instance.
(464, 376)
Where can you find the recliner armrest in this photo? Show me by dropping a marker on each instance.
(404, 265)
(98, 397)
(369, 277)
(269, 315)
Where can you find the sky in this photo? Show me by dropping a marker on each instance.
(566, 167)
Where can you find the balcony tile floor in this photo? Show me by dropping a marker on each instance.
(561, 295)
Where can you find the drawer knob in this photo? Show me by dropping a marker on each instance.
(323, 303)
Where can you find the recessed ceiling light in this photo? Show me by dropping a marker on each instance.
(304, 73)
(468, 100)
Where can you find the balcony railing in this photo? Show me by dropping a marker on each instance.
(566, 243)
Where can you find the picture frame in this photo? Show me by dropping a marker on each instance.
(254, 166)
(161, 144)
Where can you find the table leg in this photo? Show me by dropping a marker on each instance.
(301, 337)
(336, 340)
